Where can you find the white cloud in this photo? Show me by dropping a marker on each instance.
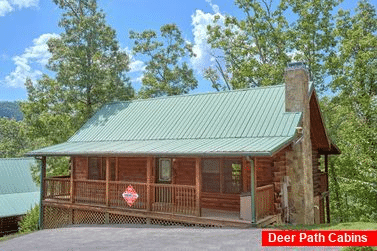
(136, 65)
(203, 51)
(5, 8)
(36, 54)
(214, 7)
(24, 3)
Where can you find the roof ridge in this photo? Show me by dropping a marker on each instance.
(196, 94)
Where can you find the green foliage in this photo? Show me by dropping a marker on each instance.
(55, 166)
(90, 71)
(254, 48)
(351, 116)
(311, 36)
(90, 67)
(359, 248)
(30, 221)
(166, 72)
(13, 140)
(10, 110)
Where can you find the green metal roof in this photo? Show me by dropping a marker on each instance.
(251, 121)
(18, 192)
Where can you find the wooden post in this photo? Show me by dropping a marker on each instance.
(42, 179)
(327, 189)
(116, 168)
(72, 180)
(198, 180)
(149, 179)
(253, 188)
(107, 181)
(244, 175)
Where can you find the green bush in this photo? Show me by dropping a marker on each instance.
(359, 249)
(29, 222)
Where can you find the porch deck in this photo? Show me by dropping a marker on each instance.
(69, 202)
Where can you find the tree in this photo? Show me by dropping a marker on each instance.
(311, 37)
(166, 72)
(256, 49)
(352, 113)
(90, 67)
(90, 71)
(13, 140)
(253, 48)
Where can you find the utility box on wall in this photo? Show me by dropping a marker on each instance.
(245, 206)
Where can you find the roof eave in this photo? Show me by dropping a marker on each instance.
(165, 154)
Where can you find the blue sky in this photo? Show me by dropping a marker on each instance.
(26, 26)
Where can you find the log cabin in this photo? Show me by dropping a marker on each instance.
(235, 158)
(18, 192)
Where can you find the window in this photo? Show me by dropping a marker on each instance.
(164, 173)
(232, 177)
(221, 176)
(97, 169)
(211, 175)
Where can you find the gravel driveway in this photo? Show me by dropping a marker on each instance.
(142, 238)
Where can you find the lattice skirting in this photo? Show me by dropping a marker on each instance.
(55, 217)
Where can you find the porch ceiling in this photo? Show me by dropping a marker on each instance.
(260, 146)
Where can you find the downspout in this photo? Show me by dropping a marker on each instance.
(42, 174)
(252, 190)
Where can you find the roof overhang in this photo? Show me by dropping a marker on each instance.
(264, 146)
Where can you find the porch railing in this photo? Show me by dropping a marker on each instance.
(57, 188)
(118, 187)
(90, 191)
(264, 201)
(176, 199)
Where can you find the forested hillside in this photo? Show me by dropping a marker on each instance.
(10, 110)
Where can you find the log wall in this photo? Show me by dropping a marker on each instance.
(264, 166)
(81, 168)
(9, 225)
(184, 171)
(316, 173)
(229, 202)
(132, 169)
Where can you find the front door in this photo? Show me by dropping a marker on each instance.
(164, 193)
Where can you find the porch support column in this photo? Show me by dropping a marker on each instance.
(72, 180)
(42, 179)
(149, 180)
(253, 188)
(198, 182)
(107, 181)
(327, 188)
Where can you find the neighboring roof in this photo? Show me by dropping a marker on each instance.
(18, 192)
(251, 121)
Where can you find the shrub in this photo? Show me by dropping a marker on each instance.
(359, 249)
(29, 222)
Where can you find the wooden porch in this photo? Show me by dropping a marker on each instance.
(69, 201)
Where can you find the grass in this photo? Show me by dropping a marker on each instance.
(12, 236)
(332, 226)
(336, 226)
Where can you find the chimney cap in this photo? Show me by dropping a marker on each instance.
(296, 66)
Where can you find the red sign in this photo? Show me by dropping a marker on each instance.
(319, 238)
(130, 195)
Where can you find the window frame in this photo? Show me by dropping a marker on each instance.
(160, 178)
(222, 172)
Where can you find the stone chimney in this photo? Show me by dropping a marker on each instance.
(299, 159)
